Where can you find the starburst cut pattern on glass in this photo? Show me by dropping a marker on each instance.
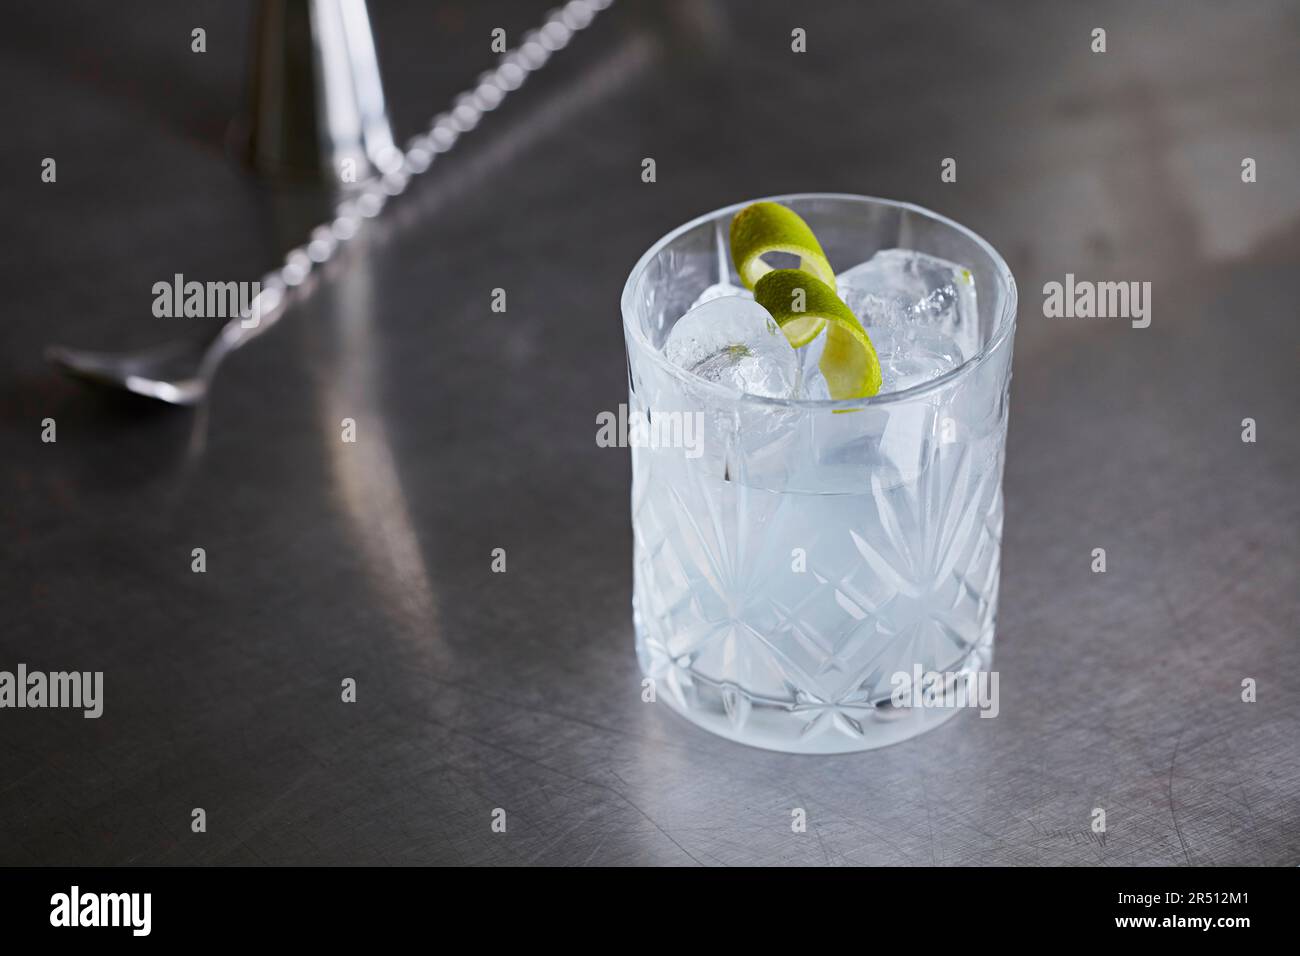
(914, 581)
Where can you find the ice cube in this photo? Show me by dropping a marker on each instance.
(903, 294)
(916, 358)
(733, 341)
(719, 290)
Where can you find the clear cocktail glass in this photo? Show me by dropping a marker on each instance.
(817, 576)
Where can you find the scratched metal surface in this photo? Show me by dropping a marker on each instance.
(519, 690)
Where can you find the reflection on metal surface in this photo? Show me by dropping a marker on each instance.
(366, 472)
(317, 99)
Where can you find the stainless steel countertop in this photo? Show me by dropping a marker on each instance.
(476, 431)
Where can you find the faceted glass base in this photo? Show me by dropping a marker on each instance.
(803, 728)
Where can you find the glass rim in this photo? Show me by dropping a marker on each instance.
(1006, 321)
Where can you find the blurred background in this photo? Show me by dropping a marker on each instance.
(476, 429)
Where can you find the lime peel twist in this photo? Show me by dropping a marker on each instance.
(764, 227)
(849, 361)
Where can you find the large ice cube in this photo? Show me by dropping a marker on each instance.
(733, 341)
(721, 290)
(905, 294)
(916, 358)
